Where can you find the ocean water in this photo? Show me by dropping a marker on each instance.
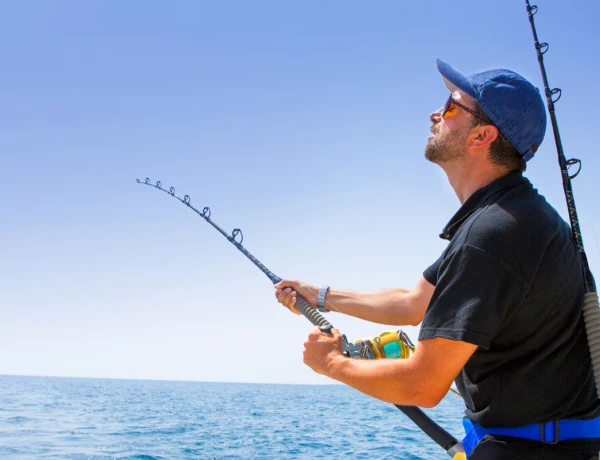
(71, 418)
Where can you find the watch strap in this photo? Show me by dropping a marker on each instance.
(321, 299)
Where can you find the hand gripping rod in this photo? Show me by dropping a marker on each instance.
(429, 427)
(591, 312)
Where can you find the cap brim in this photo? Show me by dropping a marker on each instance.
(455, 80)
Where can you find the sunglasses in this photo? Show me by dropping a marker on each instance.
(452, 106)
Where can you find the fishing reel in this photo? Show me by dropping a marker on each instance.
(389, 344)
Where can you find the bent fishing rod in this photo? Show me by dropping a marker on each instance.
(361, 349)
(591, 312)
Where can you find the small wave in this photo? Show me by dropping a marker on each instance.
(19, 419)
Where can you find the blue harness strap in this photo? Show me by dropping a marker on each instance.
(549, 432)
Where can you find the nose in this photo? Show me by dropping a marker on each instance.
(436, 117)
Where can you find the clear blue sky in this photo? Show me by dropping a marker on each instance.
(301, 122)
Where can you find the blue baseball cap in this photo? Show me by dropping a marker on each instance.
(512, 103)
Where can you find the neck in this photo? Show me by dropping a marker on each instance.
(466, 177)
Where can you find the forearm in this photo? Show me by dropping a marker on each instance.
(394, 381)
(398, 307)
(389, 306)
(421, 380)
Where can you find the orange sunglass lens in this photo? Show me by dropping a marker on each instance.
(451, 111)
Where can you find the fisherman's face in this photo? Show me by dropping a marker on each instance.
(450, 131)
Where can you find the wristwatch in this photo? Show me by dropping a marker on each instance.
(321, 299)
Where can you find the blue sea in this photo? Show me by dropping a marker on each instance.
(73, 418)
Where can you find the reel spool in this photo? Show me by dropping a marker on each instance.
(389, 344)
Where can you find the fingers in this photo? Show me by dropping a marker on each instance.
(286, 283)
(321, 350)
(308, 291)
(287, 290)
(287, 297)
(316, 333)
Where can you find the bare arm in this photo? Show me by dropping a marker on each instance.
(390, 306)
(421, 380)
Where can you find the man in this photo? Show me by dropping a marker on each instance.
(500, 310)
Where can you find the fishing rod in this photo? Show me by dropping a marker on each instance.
(591, 312)
(362, 349)
(301, 304)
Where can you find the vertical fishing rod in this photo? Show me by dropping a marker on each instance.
(444, 439)
(591, 312)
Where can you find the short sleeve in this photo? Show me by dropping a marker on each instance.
(475, 290)
(431, 272)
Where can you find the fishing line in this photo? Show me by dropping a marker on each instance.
(362, 349)
(591, 310)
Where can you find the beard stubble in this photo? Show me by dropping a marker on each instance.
(447, 147)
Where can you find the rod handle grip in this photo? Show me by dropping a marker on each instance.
(311, 314)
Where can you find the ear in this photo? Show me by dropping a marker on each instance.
(482, 136)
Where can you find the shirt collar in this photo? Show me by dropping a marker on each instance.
(478, 199)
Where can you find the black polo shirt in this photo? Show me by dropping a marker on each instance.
(511, 282)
